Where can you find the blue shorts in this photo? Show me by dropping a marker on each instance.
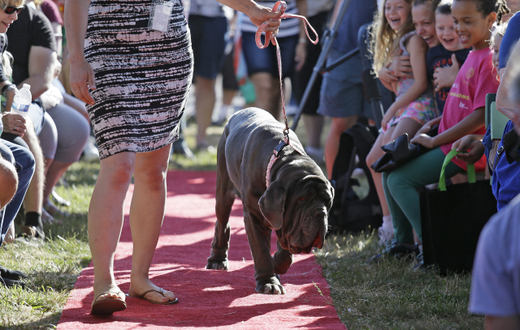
(208, 38)
(341, 90)
(264, 60)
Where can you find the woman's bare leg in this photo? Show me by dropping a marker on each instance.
(146, 217)
(105, 218)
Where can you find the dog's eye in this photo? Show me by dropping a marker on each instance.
(301, 200)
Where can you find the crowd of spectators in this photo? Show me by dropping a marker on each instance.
(438, 66)
(53, 134)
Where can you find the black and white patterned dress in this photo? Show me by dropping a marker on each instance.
(142, 75)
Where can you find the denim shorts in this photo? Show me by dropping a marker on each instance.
(264, 60)
(208, 38)
(342, 90)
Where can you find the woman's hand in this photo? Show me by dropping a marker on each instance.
(259, 14)
(81, 80)
(14, 123)
(444, 77)
(401, 67)
(387, 75)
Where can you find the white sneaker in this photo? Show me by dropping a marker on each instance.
(385, 235)
(90, 151)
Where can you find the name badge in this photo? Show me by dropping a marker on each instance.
(160, 14)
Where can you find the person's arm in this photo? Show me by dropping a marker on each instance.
(42, 61)
(472, 146)
(301, 48)
(81, 73)
(466, 126)
(417, 49)
(256, 13)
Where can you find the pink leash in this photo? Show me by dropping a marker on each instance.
(280, 6)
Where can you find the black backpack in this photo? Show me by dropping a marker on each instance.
(353, 211)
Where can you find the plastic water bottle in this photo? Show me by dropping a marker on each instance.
(22, 100)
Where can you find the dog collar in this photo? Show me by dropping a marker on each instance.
(276, 154)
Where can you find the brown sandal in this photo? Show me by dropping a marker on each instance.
(107, 305)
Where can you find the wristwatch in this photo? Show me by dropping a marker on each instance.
(7, 87)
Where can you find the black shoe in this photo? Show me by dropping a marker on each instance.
(11, 283)
(11, 274)
(396, 250)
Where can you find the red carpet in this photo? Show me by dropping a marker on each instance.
(208, 298)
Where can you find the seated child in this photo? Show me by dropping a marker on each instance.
(505, 170)
(445, 54)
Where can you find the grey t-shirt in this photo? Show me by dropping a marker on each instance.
(495, 286)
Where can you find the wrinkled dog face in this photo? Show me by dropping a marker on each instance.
(306, 215)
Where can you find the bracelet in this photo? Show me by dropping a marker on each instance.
(302, 41)
(7, 87)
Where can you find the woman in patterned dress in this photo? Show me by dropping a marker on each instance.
(135, 81)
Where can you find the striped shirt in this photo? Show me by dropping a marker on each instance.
(288, 27)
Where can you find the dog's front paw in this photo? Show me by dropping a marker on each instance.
(217, 264)
(270, 286)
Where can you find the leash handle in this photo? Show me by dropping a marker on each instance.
(281, 6)
(442, 177)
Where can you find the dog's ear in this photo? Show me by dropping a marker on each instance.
(272, 204)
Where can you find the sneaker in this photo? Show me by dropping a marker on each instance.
(58, 199)
(90, 151)
(396, 250)
(385, 235)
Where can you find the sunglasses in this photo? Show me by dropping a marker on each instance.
(9, 10)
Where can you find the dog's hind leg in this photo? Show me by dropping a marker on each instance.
(225, 196)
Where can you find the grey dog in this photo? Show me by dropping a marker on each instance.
(295, 204)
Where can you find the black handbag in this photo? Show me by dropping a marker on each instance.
(452, 218)
(399, 152)
(350, 212)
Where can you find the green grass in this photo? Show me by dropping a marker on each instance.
(389, 295)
